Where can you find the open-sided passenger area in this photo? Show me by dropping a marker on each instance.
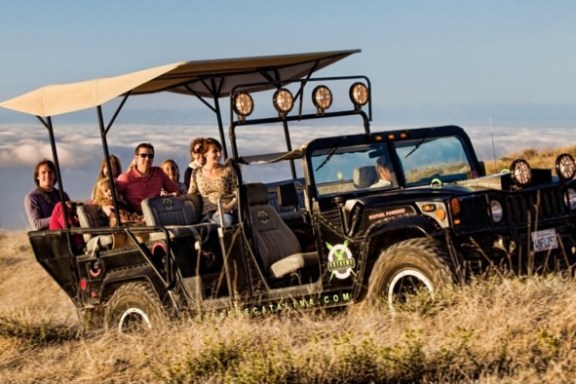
(194, 243)
(278, 249)
(278, 252)
(287, 198)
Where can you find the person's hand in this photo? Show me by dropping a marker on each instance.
(164, 193)
(229, 206)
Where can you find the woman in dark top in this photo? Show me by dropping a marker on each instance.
(39, 203)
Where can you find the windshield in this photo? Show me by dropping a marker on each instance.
(442, 158)
(422, 161)
(351, 168)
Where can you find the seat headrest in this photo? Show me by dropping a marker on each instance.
(172, 210)
(91, 216)
(257, 194)
(364, 177)
(287, 195)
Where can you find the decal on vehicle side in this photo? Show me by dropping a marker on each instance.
(324, 301)
(340, 261)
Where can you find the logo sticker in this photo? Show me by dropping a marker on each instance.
(262, 217)
(340, 261)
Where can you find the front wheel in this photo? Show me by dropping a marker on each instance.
(410, 267)
(134, 307)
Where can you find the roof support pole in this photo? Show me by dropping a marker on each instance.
(50, 128)
(220, 127)
(289, 147)
(103, 131)
(73, 265)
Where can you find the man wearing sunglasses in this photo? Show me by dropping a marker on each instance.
(142, 180)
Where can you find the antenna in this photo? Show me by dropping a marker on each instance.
(492, 136)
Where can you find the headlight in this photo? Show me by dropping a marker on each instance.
(570, 199)
(243, 104)
(283, 101)
(496, 211)
(565, 167)
(359, 94)
(322, 98)
(521, 172)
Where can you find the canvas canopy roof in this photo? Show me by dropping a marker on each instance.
(211, 78)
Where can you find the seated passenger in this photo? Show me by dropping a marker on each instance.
(196, 159)
(40, 202)
(57, 218)
(171, 169)
(103, 173)
(385, 176)
(104, 199)
(143, 180)
(212, 181)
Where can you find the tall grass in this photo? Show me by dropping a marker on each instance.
(496, 329)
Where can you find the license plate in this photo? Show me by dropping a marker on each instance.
(544, 240)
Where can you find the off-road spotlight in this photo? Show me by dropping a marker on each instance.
(565, 166)
(283, 101)
(243, 104)
(322, 98)
(359, 94)
(521, 172)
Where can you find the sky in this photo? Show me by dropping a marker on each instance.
(500, 67)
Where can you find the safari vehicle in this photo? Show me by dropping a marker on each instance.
(320, 231)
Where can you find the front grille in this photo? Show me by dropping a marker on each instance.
(530, 205)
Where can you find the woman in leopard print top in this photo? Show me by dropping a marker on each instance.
(212, 181)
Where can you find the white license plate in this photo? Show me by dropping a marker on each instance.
(544, 240)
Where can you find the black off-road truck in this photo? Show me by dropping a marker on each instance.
(315, 226)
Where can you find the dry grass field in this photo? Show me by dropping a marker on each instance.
(495, 330)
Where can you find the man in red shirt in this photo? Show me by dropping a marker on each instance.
(142, 180)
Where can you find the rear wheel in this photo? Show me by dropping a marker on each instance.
(408, 268)
(134, 307)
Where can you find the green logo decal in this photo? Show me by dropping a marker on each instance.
(340, 261)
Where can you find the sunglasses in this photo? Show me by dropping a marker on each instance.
(146, 155)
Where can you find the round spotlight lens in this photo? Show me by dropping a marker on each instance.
(322, 97)
(570, 199)
(496, 211)
(359, 94)
(521, 172)
(565, 166)
(243, 104)
(283, 100)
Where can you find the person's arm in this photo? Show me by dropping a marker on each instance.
(34, 212)
(168, 185)
(193, 188)
(231, 183)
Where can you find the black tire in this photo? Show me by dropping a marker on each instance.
(134, 307)
(407, 267)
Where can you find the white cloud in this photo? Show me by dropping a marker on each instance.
(80, 145)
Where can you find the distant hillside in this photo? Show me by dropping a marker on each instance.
(543, 158)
